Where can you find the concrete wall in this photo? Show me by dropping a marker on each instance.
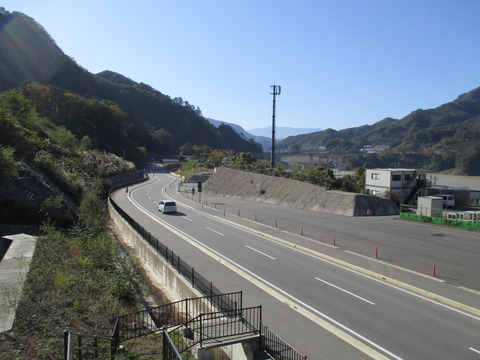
(292, 193)
(177, 286)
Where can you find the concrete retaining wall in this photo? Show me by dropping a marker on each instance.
(177, 286)
(292, 193)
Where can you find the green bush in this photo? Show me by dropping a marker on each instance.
(8, 164)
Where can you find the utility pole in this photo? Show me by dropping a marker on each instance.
(276, 91)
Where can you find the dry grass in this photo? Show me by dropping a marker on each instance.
(70, 285)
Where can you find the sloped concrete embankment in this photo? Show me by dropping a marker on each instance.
(292, 193)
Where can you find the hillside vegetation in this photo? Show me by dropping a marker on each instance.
(45, 169)
(79, 279)
(149, 122)
(446, 138)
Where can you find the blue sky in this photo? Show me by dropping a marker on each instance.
(340, 63)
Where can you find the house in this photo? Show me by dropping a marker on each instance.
(403, 185)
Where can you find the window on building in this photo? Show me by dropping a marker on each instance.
(408, 177)
(396, 177)
(375, 176)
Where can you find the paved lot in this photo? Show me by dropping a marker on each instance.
(406, 250)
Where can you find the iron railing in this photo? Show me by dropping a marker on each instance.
(197, 281)
(169, 350)
(151, 320)
(277, 348)
(210, 327)
(83, 347)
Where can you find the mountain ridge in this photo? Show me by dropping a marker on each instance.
(449, 135)
(158, 123)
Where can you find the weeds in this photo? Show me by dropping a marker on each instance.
(69, 286)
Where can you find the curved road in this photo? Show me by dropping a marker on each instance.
(373, 316)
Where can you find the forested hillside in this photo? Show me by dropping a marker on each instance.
(149, 122)
(446, 138)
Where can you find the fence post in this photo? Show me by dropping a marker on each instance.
(80, 355)
(201, 330)
(116, 334)
(95, 345)
(165, 343)
(66, 344)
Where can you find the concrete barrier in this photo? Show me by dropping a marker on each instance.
(232, 183)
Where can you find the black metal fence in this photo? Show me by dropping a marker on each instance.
(197, 281)
(83, 347)
(170, 351)
(151, 320)
(276, 347)
(210, 327)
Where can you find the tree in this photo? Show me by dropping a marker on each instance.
(186, 149)
(319, 176)
(86, 143)
(242, 161)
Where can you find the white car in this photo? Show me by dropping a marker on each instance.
(167, 206)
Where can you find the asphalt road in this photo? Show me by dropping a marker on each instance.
(370, 314)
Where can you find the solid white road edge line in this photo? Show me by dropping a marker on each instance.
(364, 345)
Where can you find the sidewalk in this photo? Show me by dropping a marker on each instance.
(13, 270)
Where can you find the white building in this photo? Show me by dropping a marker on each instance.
(404, 184)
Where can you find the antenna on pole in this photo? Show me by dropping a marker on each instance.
(277, 89)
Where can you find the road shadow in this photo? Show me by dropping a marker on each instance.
(178, 213)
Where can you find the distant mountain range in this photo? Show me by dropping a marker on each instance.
(263, 136)
(446, 138)
(281, 132)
